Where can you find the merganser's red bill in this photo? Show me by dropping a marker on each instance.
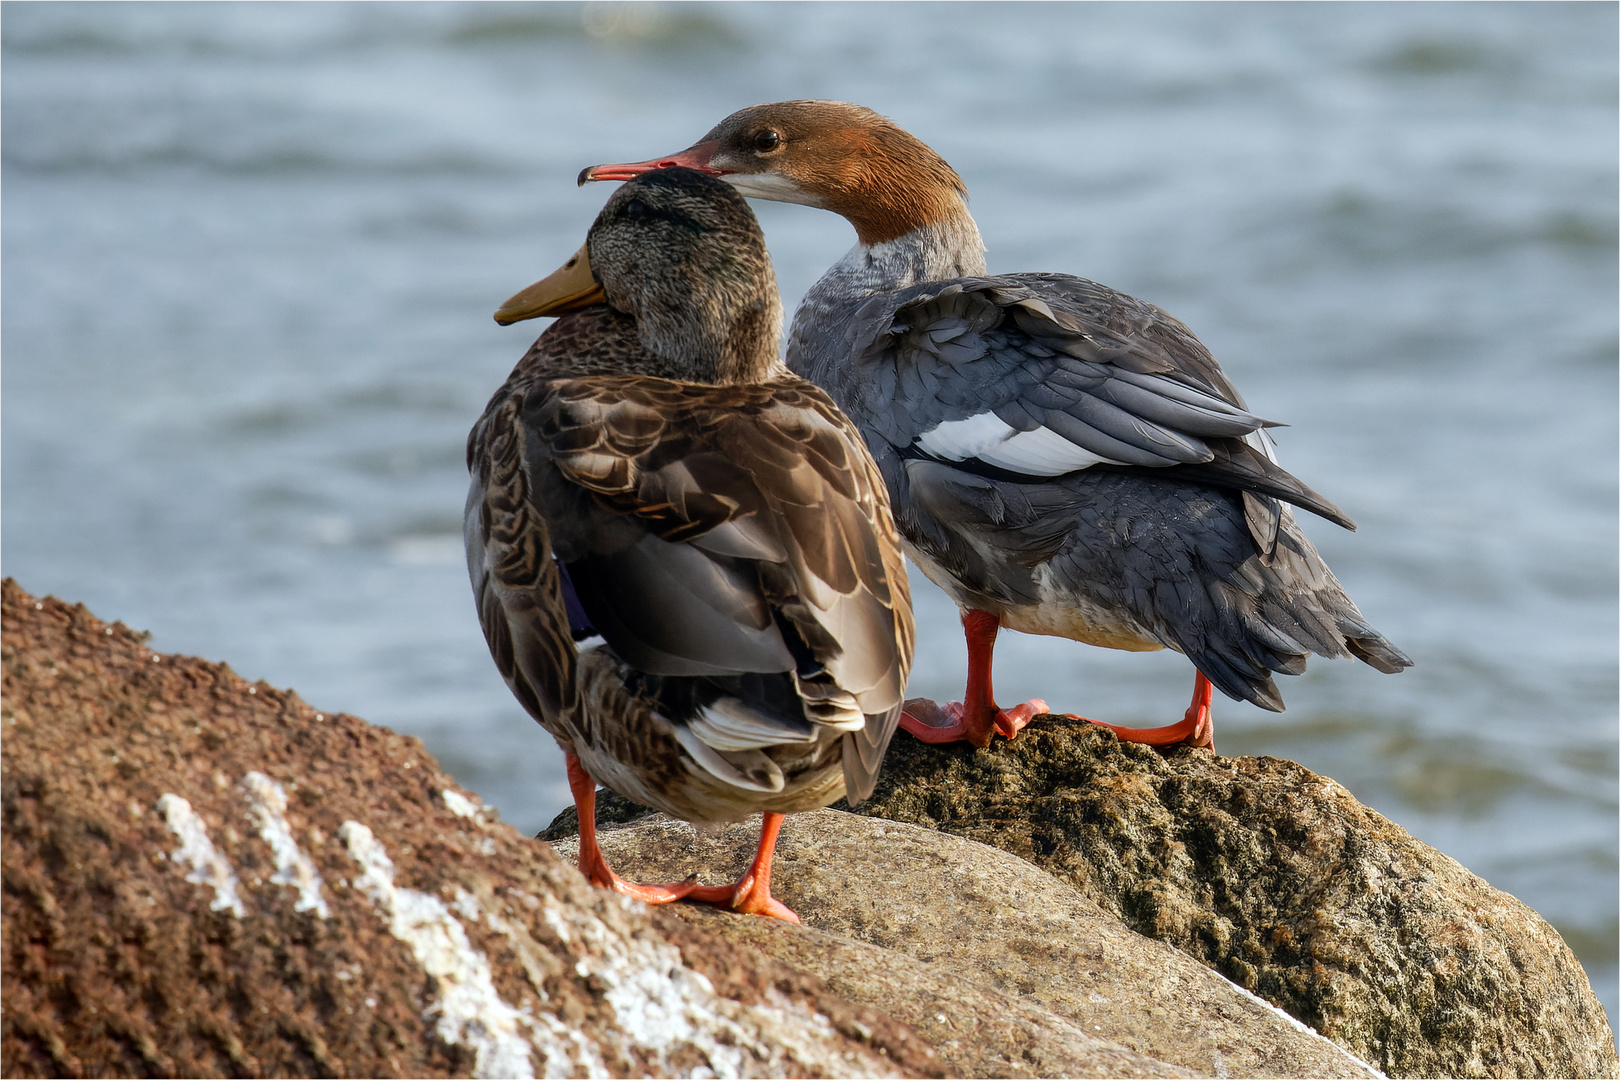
(693, 157)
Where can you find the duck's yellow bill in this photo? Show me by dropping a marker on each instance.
(569, 288)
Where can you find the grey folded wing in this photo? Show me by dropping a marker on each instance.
(1040, 375)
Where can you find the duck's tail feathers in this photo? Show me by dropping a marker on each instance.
(863, 754)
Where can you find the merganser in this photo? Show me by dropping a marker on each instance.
(652, 473)
(1061, 458)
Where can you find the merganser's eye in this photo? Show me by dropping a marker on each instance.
(635, 208)
(766, 141)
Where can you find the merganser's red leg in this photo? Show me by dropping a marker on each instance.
(1197, 728)
(592, 863)
(751, 894)
(976, 717)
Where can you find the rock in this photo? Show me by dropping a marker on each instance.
(1023, 976)
(204, 876)
(1280, 880)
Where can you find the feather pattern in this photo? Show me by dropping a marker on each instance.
(1075, 461)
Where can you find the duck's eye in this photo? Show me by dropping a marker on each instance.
(635, 208)
(766, 141)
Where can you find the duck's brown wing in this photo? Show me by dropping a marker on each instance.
(516, 583)
(722, 531)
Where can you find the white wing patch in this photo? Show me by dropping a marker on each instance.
(957, 440)
(1041, 452)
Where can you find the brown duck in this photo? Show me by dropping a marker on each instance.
(652, 474)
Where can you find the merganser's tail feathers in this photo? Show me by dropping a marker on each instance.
(1268, 615)
(1374, 649)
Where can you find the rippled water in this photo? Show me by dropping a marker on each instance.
(250, 255)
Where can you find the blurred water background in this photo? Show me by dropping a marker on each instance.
(251, 252)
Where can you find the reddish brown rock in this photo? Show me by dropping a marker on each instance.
(207, 877)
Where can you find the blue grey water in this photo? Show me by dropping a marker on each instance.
(251, 253)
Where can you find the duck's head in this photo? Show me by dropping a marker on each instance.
(682, 255)
(827, 154)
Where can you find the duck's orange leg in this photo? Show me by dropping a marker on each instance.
(976, 717)
(751, 894)
(592, 863)
(1197, 728)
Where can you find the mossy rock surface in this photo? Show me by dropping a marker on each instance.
(1281, 881)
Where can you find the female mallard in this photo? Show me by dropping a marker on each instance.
(1062, 458)
(652, 473)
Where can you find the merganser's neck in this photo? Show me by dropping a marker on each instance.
(938, 251)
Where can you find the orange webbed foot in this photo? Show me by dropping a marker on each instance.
(751, 894)
(1196, 728)
(745, 896)
(1192, 732)
(600, 874)
(1009, 722)
(933, 723)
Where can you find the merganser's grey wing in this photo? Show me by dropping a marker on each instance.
(1041, 375)
(728, 532)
